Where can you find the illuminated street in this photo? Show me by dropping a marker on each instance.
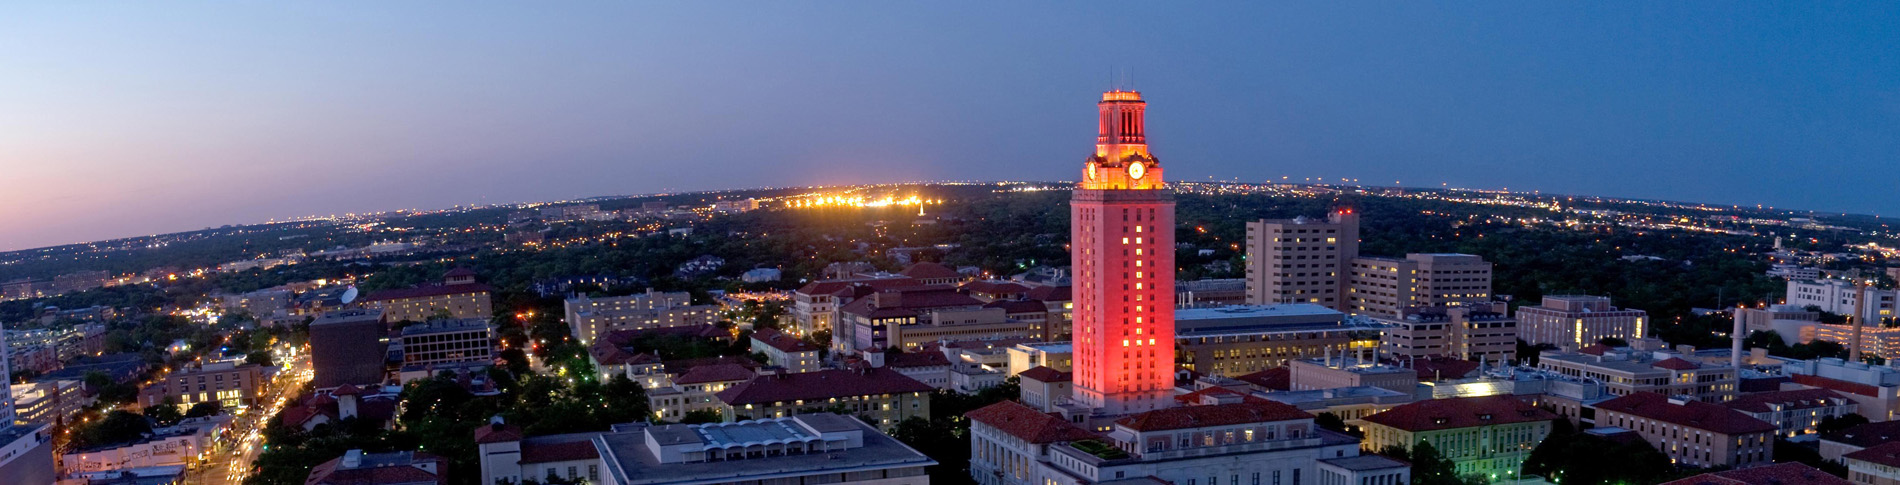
(230, 461)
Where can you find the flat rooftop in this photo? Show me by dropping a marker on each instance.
(630, 462)
(1297, 398)
(446, 326)
(348, 316)
(1628, 366)
(1241, 311)
(1063, 347)
(1364, 463)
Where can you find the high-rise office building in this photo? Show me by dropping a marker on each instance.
(349, 347)
(1302, 260)
(1122, 234)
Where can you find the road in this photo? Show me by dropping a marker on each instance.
(229, 461)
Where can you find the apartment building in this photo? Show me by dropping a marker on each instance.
(784, 351)
(815, 305)
(1692, 433)
(1391, 286)
(458, 296)
(230, 384)
(879, 320)
(1301, 260)
(1578, 321)
(590, 318)
(440, 344)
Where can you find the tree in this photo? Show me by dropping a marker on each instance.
(165, 414)
(701, 416)
(1431, 468)
(259, 357)
(941, 440)
(117, 427)
(203, 409)
(1832, 424)
(1576, 458)
(1332, 422)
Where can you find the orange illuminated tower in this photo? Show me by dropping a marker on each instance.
(1122, 245)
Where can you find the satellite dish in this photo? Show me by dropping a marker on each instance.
(349, 295)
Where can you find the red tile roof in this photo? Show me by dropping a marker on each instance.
(1018, 306)
(328, 473)
(427, 291)
(1676, 363)
(990, 287)
(1027, 424)
(1594, 349)
(1046, 374)
(1051, 293)
(1887, 454)
(1277, 379)
(1462, 412)
(497, 433)
(1796, 399)
(607, 353)
(782, 342)
(346, 390)
(845, 286)
(1216, 415)
(824, 384)
(715, 373)
(908, 302)
(1693, 414)
(460, 271)
(1443, 368)
(929, 270)
(682, 366)
(1836, 384)
(1866, 435)
(1776, 474)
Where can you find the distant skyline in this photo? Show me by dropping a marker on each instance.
(134, 119)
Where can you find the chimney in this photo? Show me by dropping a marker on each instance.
(1735, 344)
(346, 407)
(875, 357)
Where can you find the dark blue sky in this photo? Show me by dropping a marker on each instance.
(122, 120)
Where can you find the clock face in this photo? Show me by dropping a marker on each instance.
(1136, 170)
(1091, 170)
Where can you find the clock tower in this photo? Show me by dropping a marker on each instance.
(1122, 249)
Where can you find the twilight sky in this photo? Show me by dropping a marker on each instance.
(132, 119)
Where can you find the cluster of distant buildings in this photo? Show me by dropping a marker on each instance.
(24, 288)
